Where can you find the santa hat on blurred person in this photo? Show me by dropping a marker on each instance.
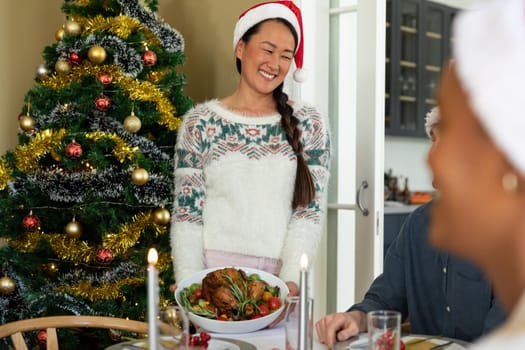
(489, 51)
(284, 9)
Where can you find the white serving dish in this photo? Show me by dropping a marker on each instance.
(245, 326)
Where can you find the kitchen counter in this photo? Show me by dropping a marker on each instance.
(399, 208)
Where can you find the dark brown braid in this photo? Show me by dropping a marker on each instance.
(304, 191)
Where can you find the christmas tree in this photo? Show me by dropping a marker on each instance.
(88, 189)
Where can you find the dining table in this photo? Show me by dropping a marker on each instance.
(275, 339)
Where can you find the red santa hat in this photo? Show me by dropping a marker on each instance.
(284, 9)
(489, 51)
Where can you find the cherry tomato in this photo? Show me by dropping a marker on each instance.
(197, 293)
(264, 309)
(274, 303)
(254, 316)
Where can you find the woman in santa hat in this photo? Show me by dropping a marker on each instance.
(252, 168)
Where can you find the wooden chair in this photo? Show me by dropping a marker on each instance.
(51, 323)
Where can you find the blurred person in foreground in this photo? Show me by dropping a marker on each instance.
(440, 294)
(479, 164)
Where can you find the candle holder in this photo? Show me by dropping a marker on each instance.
(153, 300)
(293, 334)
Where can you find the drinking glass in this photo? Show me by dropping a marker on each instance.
(174, 327)
(292, 323)
(384, 327)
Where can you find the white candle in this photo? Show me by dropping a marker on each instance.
(303, 304)
(153, 300)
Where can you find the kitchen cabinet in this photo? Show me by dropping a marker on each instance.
(418, 37)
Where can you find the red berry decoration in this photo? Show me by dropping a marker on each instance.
(149, 58)
(104, 256)
(31, 222)
(386, 341)
(105, 78)
(41, 337)
(73, 150)
(74, 58)
(401, 345)
(102, 103)
(199, 340)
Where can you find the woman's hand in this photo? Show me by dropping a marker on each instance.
(293, 292)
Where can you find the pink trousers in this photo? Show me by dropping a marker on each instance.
(219, 258)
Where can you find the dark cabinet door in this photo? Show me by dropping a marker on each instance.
(418, 45)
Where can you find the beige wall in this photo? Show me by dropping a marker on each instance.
(27, 26)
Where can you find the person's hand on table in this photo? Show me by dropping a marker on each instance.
(293, 292)
(340, 326)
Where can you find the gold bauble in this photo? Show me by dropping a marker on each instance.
(27, 123)
(57, 157)
(3, 242)
(62, 67)
(139, 176)
(161, 216)
(59, 34)
(132, 123)
(97, 54)
(72, 28)
(7, 285)
(73, 229)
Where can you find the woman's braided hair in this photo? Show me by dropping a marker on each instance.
(304, 191)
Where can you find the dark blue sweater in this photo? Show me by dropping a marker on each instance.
(439, 293)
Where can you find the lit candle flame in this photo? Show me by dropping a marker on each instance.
(304, 262)
(152, 256)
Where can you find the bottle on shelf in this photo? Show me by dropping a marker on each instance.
(405, 194)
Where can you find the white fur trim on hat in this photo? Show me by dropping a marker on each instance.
(431, 120)
(489, 51)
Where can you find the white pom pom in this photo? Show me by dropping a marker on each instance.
(300, 75)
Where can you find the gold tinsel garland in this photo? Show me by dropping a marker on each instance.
(107, 291)
(121, 26)
(121, 150)
(5, 173)
(27, 155)
(78, 251)
(136, 90)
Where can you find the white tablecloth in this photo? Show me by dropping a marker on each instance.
(274, 339)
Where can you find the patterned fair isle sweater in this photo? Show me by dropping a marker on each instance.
(234, 182)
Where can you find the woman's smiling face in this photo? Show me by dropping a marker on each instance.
(266, 57)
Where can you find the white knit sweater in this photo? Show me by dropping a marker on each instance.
(234, 182)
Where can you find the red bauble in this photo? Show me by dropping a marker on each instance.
(149, 58)
(105, 78)
(73, 150)
(74, 58)
(102, 103)
(41, 337)
(31, 222)
(104, 256)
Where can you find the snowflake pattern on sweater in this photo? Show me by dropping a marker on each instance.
(234, 183)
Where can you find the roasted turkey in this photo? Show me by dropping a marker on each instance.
(219, 287)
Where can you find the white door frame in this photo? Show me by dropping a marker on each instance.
(350, 257)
